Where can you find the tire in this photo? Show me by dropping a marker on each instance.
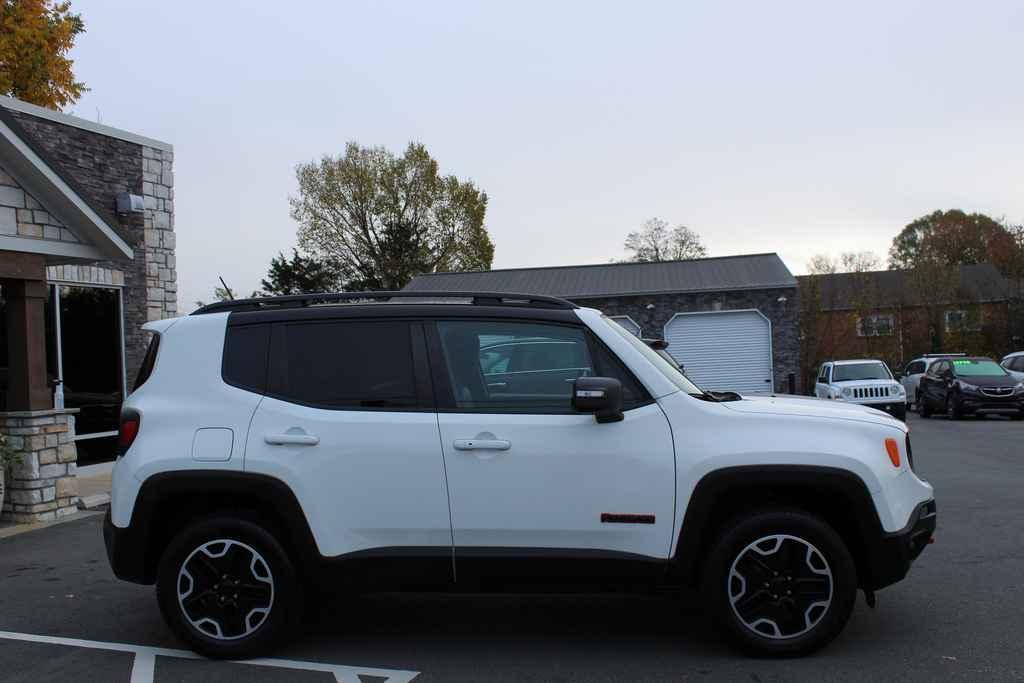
(900, 412)
(245, 612)
(952, 409)
(785, 550)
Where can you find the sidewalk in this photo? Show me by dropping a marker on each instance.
(94, 485)
(93, 497)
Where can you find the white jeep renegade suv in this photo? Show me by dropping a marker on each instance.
(276, 447)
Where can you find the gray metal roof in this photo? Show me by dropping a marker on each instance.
(974, 283)
(724, 273)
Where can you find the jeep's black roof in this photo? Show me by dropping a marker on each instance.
(299, 301)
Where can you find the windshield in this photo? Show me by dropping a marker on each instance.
(667, 369)
(852, 372)
(969, 367)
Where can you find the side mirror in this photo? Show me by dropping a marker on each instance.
(899, 376)
(601, 396)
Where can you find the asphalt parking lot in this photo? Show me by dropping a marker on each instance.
(957, 616)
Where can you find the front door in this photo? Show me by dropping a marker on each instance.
(529, 478)
(348, 424)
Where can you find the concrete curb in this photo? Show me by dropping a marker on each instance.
(94, 501)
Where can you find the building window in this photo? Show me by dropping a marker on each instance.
(962, 321)
(875, 325)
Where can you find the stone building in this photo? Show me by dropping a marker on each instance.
(732, 321)
(86, 257)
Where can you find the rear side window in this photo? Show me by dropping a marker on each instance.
(345, 364)
(245, 357)
(915, 368)
(148, 362)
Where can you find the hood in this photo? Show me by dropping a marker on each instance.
(989, 381)
(813, 407)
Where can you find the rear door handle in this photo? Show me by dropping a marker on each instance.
(482, 444)
(292, 439)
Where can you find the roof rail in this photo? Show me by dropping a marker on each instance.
(306, 300)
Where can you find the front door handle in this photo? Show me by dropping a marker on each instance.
(482, 444)
(292, 438)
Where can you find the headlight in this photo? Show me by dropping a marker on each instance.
(968, 388)
(896, 390)
(1019, 389)
(847, 391)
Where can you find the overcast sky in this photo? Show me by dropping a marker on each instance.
(796, 127)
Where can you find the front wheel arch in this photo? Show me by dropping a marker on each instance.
(838, 496)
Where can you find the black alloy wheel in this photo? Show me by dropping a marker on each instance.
(781, 583)
(780, 586)
(227, 588)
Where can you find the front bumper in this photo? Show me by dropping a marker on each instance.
(889, 556)
(976, 404)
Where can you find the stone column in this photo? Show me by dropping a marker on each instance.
(43, 487)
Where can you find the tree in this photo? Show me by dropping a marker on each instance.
(655, 241)
(950, 238)
(35, 39)
(848, 262)
(384, 219)
(299, 275)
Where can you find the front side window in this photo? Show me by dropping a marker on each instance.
(853, 372)
(345, 364)
(875, 325)
(915, 368)
(521, 366)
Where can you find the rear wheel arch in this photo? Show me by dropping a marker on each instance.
(838, 497)
(169, 502)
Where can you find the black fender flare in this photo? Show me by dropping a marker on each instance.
(135, 550)
(839, 495)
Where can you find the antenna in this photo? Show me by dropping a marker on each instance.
(227, 290)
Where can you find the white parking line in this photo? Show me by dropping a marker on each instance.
(144, 662)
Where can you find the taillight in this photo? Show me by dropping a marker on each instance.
(128, 430)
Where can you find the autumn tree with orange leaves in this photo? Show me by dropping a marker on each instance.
(35, 39)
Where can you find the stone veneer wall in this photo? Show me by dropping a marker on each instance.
(43, 487)
(784, 316)
(22, 216)
(101, 166)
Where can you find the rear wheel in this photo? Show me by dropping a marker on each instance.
(226, 587)
(781, 583)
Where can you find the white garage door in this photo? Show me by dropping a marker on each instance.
(723, 350)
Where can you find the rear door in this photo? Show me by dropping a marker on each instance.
(348, 423)
(533, 484)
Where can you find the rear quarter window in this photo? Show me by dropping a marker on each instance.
(148, 362)
(245, 357)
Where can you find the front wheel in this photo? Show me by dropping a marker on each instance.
(226, 587)
(781, 583)
(922, 407)
(953, 408)
(899, 411)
